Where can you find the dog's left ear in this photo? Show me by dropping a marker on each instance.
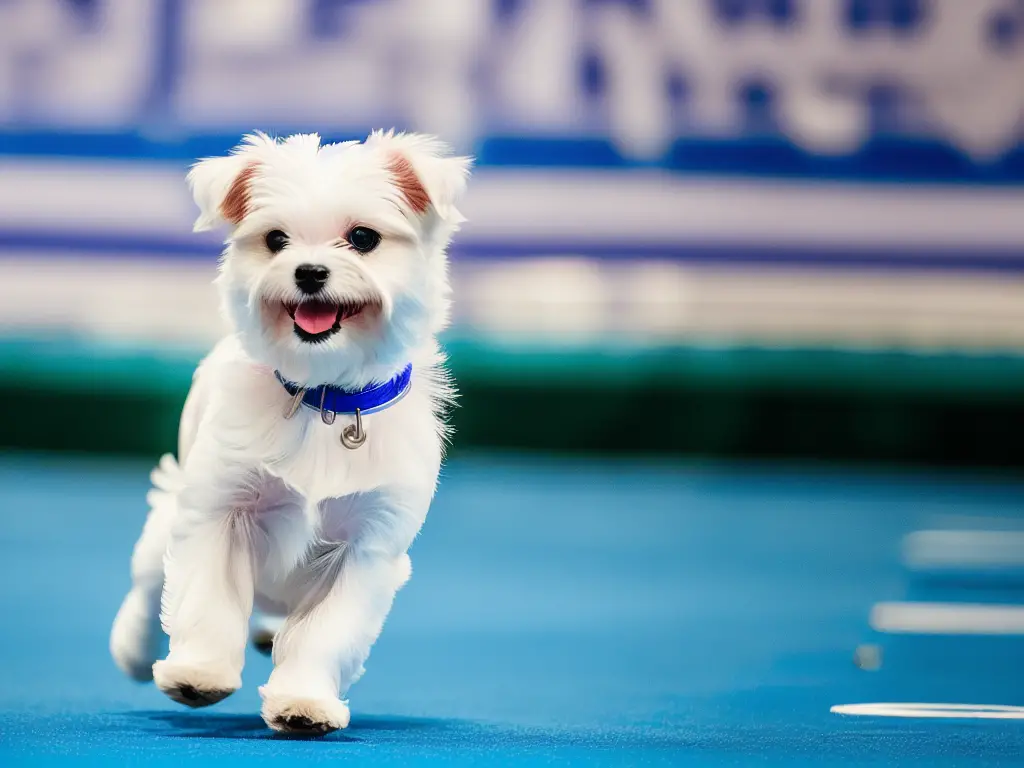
(425, 172)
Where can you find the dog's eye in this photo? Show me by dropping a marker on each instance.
(276, 240)
(363, 239)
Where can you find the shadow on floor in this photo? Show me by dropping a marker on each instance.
(221, 725)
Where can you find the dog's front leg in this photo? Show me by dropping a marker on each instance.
(321, 650)
(208, 591)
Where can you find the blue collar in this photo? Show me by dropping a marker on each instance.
(369, 399)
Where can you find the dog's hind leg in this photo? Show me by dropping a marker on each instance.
(265, 627)
(136, 637)
(268, 618)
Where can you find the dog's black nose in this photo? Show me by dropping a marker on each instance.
(310, 278)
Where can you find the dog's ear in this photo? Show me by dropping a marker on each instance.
(220, 187)
(425, 172)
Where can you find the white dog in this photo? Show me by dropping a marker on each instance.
(313, 435)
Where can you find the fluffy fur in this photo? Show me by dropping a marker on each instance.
(271, 513)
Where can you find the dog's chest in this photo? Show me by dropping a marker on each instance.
(318, 464)
(401, 450)
(402, 447)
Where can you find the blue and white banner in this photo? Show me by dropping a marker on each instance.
(739, 171)
(892, 89)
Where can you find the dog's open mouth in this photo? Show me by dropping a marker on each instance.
(317, 320)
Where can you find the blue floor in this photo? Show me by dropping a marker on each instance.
(559, 613)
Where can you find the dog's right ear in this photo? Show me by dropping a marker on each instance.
(220, 187)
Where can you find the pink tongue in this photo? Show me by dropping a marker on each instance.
(315, 318)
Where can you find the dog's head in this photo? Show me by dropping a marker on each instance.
(335, 268)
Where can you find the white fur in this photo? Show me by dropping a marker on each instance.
(273, 512)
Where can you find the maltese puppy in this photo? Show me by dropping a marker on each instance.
(312, 437)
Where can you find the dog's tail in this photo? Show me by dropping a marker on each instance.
(167, 479)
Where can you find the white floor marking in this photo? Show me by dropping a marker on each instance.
(947, 619)
(896, 709)
(952, 549)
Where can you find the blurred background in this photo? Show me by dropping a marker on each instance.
(726, 230)
(787, 228)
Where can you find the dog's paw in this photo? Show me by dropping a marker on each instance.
(195, 685)
(303, 716)
(135, 638)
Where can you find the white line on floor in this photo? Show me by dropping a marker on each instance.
(973, 711)
(947, 618)
(960, 549)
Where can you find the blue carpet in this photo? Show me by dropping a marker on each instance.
(559, 613)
